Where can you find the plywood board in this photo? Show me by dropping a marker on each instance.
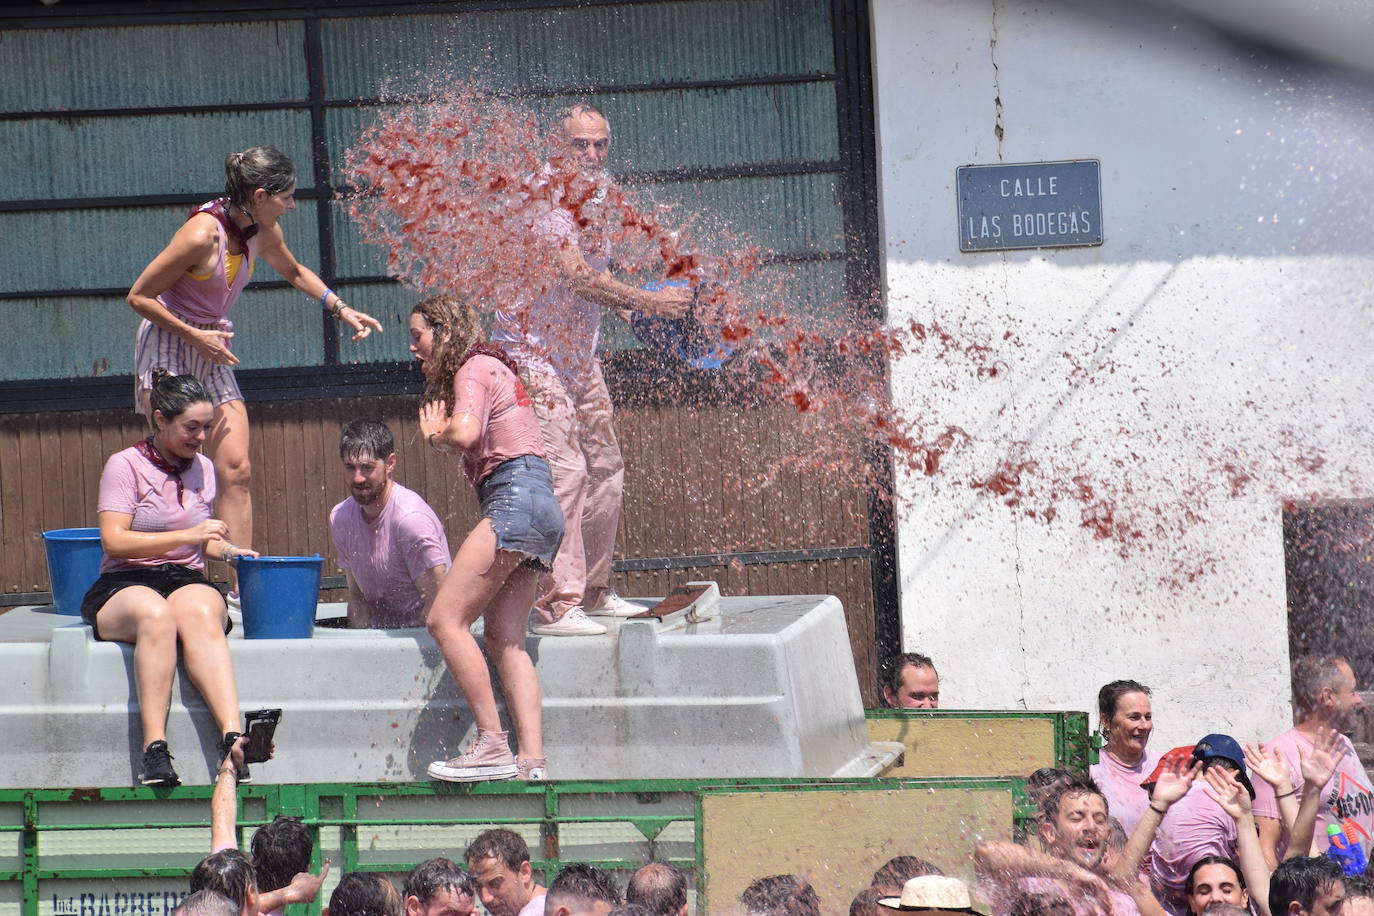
(837, 839)
(938, 747)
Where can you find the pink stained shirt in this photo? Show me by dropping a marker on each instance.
(208, 301)
(131, 485)
(1347, 796)
(1195, 827)
(485, 388)
(1126, 799)
(1083, 903)
(557, 331)
(387, 555)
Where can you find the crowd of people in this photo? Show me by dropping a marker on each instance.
(528, 411)
(1182, 833)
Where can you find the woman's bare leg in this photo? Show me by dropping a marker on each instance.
(506, 621)
(227, 447)
(199, 614)
(473, 581)
(141, 616)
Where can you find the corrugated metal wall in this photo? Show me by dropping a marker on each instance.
(121, 122)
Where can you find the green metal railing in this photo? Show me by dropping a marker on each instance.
(665, 817)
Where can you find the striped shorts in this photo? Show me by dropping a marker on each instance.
(155, 348)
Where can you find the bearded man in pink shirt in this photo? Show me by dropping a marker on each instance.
(388, 539)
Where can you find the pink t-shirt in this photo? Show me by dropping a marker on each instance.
(386, 556)
(1346, 797)
(557, 331)
(1195, 827)
(1083, 904)
(1126, 800)
(131, 485)
(485, 388)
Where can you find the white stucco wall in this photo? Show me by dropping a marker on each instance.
(1226, 321)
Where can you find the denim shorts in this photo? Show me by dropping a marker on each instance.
(518, 498)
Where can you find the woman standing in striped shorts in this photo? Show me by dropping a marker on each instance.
(185, 294)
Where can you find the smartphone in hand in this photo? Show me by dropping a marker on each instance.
(259, 725)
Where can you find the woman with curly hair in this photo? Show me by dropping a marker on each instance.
(474, 403)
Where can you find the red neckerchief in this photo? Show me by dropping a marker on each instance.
(147, 450)
(495, 352)
(219, 209)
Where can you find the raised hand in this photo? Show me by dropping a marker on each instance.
(1267, 764)
(433, 418)
(1320, 765)
(1227, 791)
(1174, 781)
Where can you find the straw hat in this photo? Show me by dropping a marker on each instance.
(934, 893)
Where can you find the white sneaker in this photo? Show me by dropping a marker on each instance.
(573, 623)
(612, 605)
(233, 601)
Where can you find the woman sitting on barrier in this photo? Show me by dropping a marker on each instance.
(496, 570)
(156, 529)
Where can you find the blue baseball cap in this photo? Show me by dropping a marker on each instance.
(1227, 748)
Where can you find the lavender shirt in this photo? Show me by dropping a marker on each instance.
(1126, 800)
(386, 556)
(1195, 827)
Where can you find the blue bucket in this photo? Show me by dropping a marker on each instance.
(74, 556)
(685, 337)
(279, 596)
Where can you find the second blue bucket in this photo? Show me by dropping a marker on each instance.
(279, 596)
(74, 556)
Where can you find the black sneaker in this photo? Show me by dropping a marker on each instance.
(241, 775)
(157, 766)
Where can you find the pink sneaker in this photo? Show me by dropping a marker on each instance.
(488, 757)
(532, 769)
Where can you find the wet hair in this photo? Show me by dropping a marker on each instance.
(865, 902)
(892, 673)
(1358, 887)
(1116, 835)
(1300, 879)
(172, 394)
(1222, 908)
(281, 851)
(584, 885)
(457, 327)
(660, 887)
(631, 909)
(898, 870)
(1071, 786)
(1111, 694)
(366, 438)
(506, 846)
(207, 903)
(263, 167)
(435, 875)
(1029, 904)
(226, 872)
(365, 894)
(1312, 673)
(1044, 781)
(580, 108)
(1213, 860)
(781, 895)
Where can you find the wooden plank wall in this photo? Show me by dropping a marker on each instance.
(682, 496)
